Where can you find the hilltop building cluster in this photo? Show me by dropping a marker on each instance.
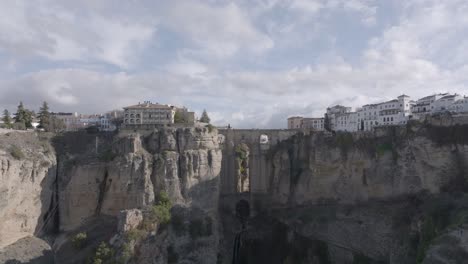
(390, 113)
(75, 121)
(142, 115)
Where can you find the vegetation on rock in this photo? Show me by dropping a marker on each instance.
(205, 118)
(79, 240)
(24, 116)
(16, 152)
(6, 119)
(103, 254)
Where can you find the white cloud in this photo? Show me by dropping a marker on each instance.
(45, 28)
(218, 30)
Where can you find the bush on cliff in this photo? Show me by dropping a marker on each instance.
(79, 240)
(160, 213)
(103, 254)
(16, 152)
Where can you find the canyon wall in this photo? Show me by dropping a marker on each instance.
(347, 168)
(366, 195)
(27, 176)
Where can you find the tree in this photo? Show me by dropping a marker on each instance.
(179, 118)
(55, 125)
(205, 118)
(44, 116)
(326, 123)
(24, 116)
(6, 118)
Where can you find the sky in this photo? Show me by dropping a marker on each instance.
(249, 63)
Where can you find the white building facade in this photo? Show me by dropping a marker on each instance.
(444, 103)
(459, 106)
(149, 114)
(395, 112)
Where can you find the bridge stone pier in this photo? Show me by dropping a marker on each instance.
(256, 187)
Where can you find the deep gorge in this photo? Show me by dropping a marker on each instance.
(397, 195)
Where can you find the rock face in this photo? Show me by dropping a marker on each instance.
(27, 250)
(349, 168)
(393, 196)
(356, 192)
(102, 176)
(127, 170)
(27, 175)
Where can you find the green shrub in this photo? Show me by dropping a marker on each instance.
(134, 234)
(163, 199)
(210, 127)
(160, 212)
(242, 151)
(79, 240)
(103, 254)
(127, 253)
(16, 152)
(18, 126)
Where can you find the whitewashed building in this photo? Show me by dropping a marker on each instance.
(460, 106)
(334, 112)
(346, 122)
(444, 103)
(425, 105)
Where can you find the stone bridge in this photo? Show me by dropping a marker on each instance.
(255, 185)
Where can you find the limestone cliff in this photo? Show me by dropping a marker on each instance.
(382, 197)
(104, 174)
(351, 168)
(27, 175)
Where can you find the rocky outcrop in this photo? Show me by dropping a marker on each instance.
(187, 164)
(27, 250)
(129, 219)
(27, 176)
